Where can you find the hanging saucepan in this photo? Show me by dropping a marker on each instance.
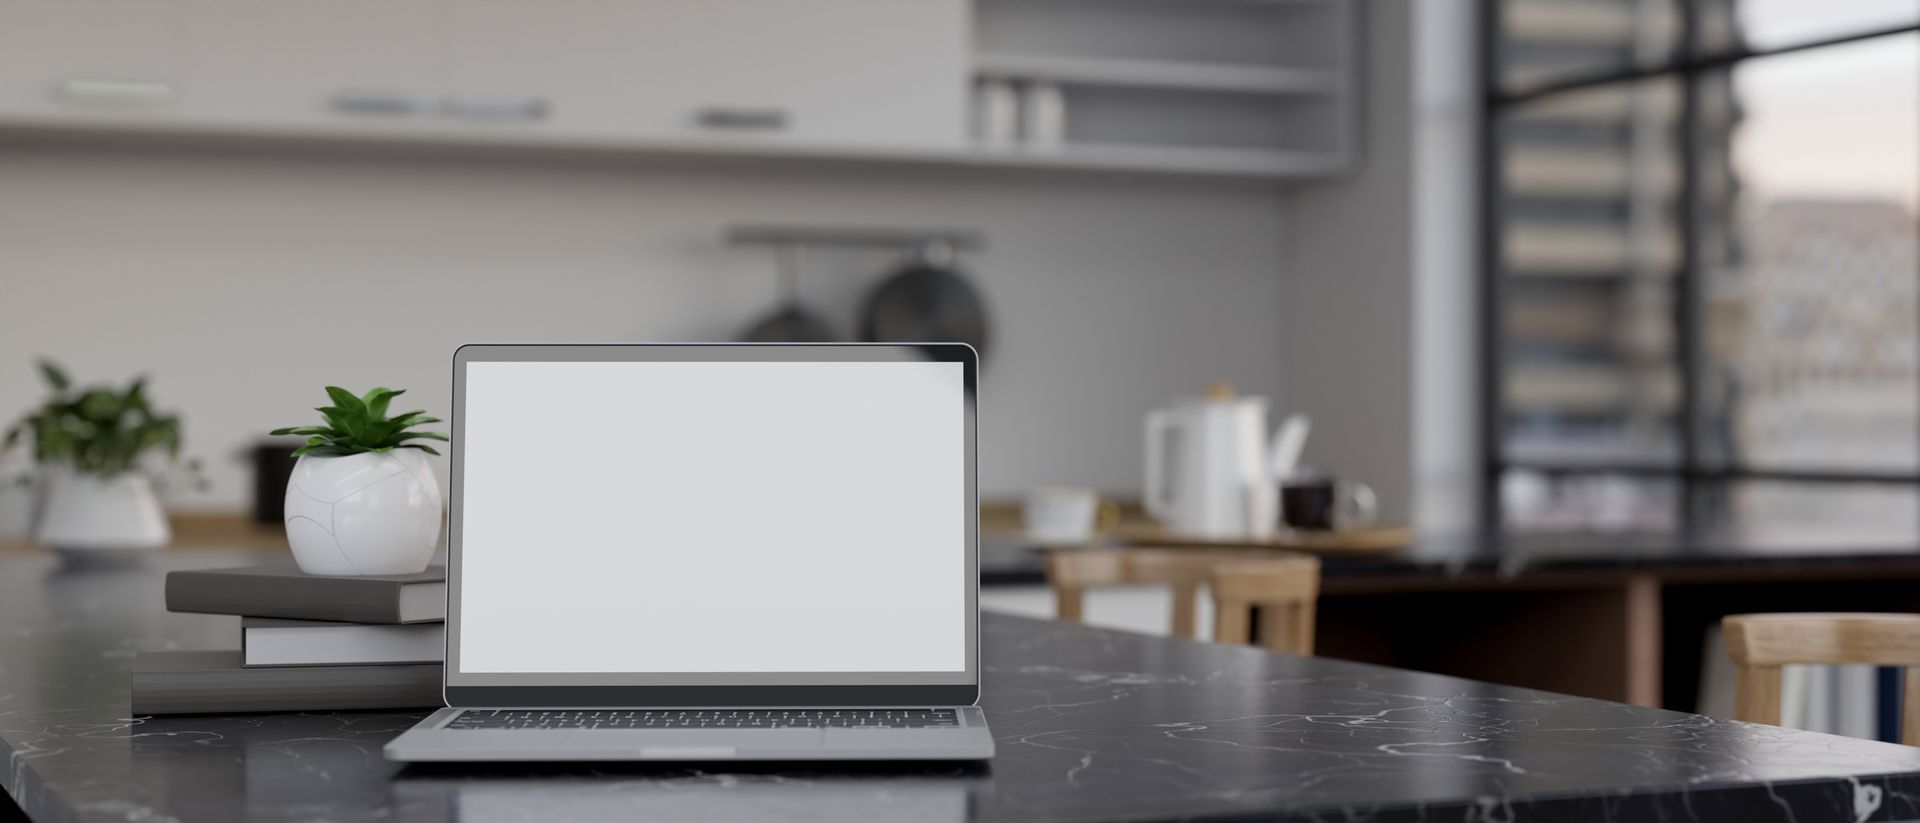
(791, 321)
(926, 300)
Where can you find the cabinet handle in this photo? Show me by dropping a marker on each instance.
(112, 91)
(742, 119)
(357, 101)
(503, 108)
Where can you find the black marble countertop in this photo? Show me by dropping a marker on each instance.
(1512, 555)
(1092, 725)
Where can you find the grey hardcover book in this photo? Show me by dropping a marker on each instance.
(215, 682)
(282, 590)
(272, 641)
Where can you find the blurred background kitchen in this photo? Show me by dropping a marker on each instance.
(1627, 286)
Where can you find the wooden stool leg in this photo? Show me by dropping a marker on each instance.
(1230, 622)
(1756, 694)
(1276, 626)
(1910, 706)
(1287, 627)
(1069, 603)
(1185, 606)
(1303, 628)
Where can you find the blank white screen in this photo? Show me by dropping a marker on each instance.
(713, 517)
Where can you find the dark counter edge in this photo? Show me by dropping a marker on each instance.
(31, 793)
(1834, 798)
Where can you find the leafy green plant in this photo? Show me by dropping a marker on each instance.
(97, 430)
(359, 424)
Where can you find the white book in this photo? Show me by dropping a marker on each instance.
(268, 641)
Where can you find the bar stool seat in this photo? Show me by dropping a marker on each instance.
(1286, 590)
(1760, 644)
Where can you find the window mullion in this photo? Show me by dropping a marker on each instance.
(1493, 417)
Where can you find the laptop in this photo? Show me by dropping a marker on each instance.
(711, 552)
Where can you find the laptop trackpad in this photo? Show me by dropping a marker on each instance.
(697, 743)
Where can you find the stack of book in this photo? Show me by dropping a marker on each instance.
(307, 643)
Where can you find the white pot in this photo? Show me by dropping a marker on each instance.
(363, 514)
(16, 510)
(90, 514)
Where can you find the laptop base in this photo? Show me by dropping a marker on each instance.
(431, 742)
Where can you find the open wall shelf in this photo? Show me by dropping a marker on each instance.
(1158, 74)
(1218, 83)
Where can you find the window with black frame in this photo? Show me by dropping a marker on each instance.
(1702, 303)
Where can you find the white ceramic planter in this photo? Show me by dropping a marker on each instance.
(363, 514)
(84, 514)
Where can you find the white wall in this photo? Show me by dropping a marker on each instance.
(1381, 277)
(245, 282)
(1349, 330)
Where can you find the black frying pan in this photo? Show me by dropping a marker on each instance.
(792, 321)
(927, 300)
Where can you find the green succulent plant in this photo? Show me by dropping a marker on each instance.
(98, 430)
(359, 424)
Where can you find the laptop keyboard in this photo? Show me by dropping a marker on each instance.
(706, 719)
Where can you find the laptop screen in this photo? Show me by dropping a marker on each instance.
(725, 521)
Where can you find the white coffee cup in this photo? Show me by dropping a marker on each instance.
(1066, 515)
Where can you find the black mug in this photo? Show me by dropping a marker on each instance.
(1323, 504)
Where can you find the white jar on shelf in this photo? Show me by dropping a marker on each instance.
(996, 114)
(1043, 116)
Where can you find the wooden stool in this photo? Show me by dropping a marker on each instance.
(1761, 643)
(1072, 571)
(1285, 590)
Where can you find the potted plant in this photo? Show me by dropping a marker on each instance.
(97, 497)
(363, 499)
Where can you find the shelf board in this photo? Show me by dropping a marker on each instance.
(1182, 159)
(1158, 74)
(1190, 3)
(520, 142)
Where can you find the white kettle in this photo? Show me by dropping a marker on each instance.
(1210, 474)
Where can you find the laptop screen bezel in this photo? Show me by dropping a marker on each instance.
(773, 689)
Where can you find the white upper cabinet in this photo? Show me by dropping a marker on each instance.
(836, 72)
(839, 73)
(304, 63)
(1235, 88)
(90, 58)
